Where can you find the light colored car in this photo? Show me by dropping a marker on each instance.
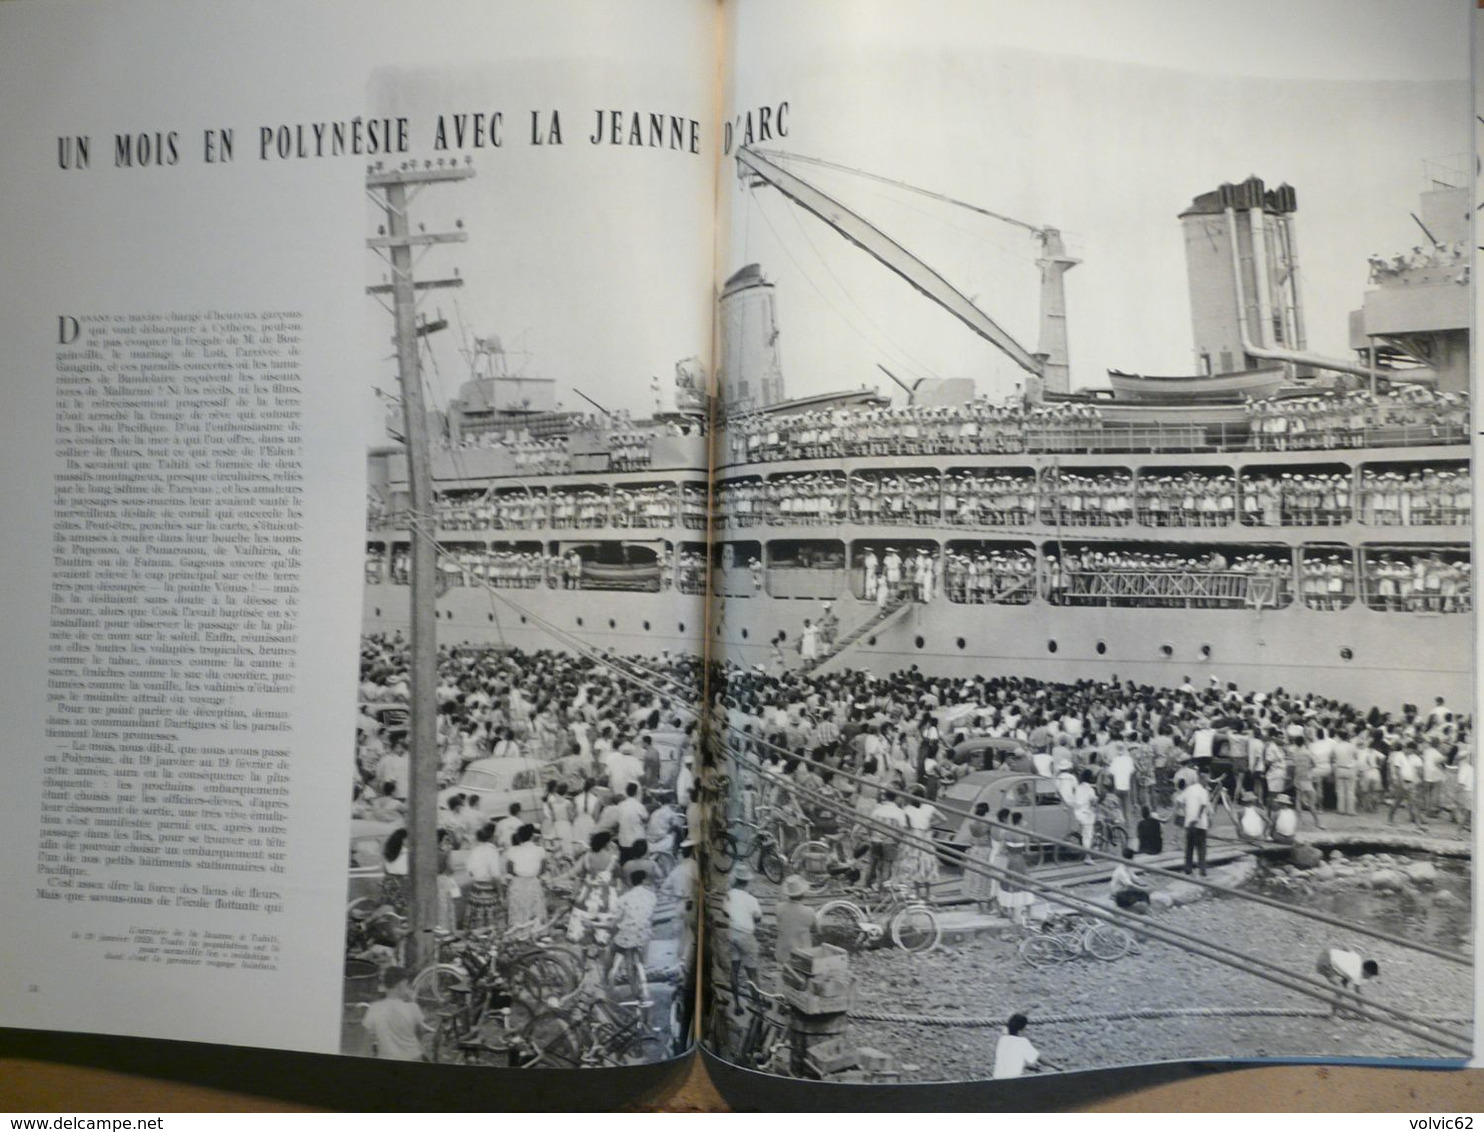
(498, 782)
(1035, 797)
(367, 840)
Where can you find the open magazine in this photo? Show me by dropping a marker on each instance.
(901, 545)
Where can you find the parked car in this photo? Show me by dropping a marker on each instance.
(1034, 796)
(367, 839)
(990, 752)
(498, 782)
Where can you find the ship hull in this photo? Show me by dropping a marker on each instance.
(1393, 659)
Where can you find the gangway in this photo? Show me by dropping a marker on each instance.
(877, 621)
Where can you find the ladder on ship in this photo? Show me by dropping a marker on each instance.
(878, 620)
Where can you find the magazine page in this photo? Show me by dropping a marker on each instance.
(1095, 673)
(354, 361)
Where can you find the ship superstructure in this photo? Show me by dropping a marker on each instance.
(1274, 518)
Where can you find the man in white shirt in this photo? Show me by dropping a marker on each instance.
(1405, 769)
(1346, 970)
(882, 844)
(1433, 763)
(1121, 772)
(1196, 801)
(742, 912)
(1013, 1054)
(629, 819)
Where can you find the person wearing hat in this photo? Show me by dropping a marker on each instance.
(633, 923)
(742, 913)
(794, 920)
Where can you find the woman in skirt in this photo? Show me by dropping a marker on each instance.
(484, 901)
(919, 862)
(395, 891)
(986, 849)
(523, 865)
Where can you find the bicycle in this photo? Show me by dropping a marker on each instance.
(766, 845)
(482, 976)
(908, 921)
(614, 1034)
(763, 1043)
(1075, 936)
(1109, 835)
(826, 860)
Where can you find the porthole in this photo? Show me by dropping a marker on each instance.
(378, 611)
(1206, 651)
(646, 626)
(579, 622)
(612, 624)
(1167, 650)
(1101, 647)
(1347, 653)
(682, 626)
(522, 618)
(961, 643)
(1051, 646)
(744, 634)
(919, 642)
(491, 616)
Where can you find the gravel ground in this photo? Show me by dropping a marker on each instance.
(986, 978)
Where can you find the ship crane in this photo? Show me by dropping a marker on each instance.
(1047, 365)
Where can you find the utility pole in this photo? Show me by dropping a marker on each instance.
(390, 191)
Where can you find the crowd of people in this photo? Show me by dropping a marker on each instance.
(978, 426)
(990, 576)
(600, 849)
(1357, 418)
(537, 456)
(511, 567)
(1428, 497)
(1331, 419)
(627, 440)
(1094, 498)
(810, 751)
(1420, 258)
(1179, 579)
(1418, 581)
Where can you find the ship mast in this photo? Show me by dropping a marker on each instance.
(390, 192)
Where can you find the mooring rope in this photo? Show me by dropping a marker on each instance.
(1134, 1013)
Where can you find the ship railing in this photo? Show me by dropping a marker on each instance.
(996, 591)
(1214, 436)
(813, 582)
(1170, 589)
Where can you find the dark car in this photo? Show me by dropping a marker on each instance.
(989, 752)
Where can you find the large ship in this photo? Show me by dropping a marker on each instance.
(1273, 519)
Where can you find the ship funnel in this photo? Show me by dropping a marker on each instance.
(1242, 261)
(749, 375)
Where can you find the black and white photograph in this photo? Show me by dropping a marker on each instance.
(545, 449)
(1092, 555)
